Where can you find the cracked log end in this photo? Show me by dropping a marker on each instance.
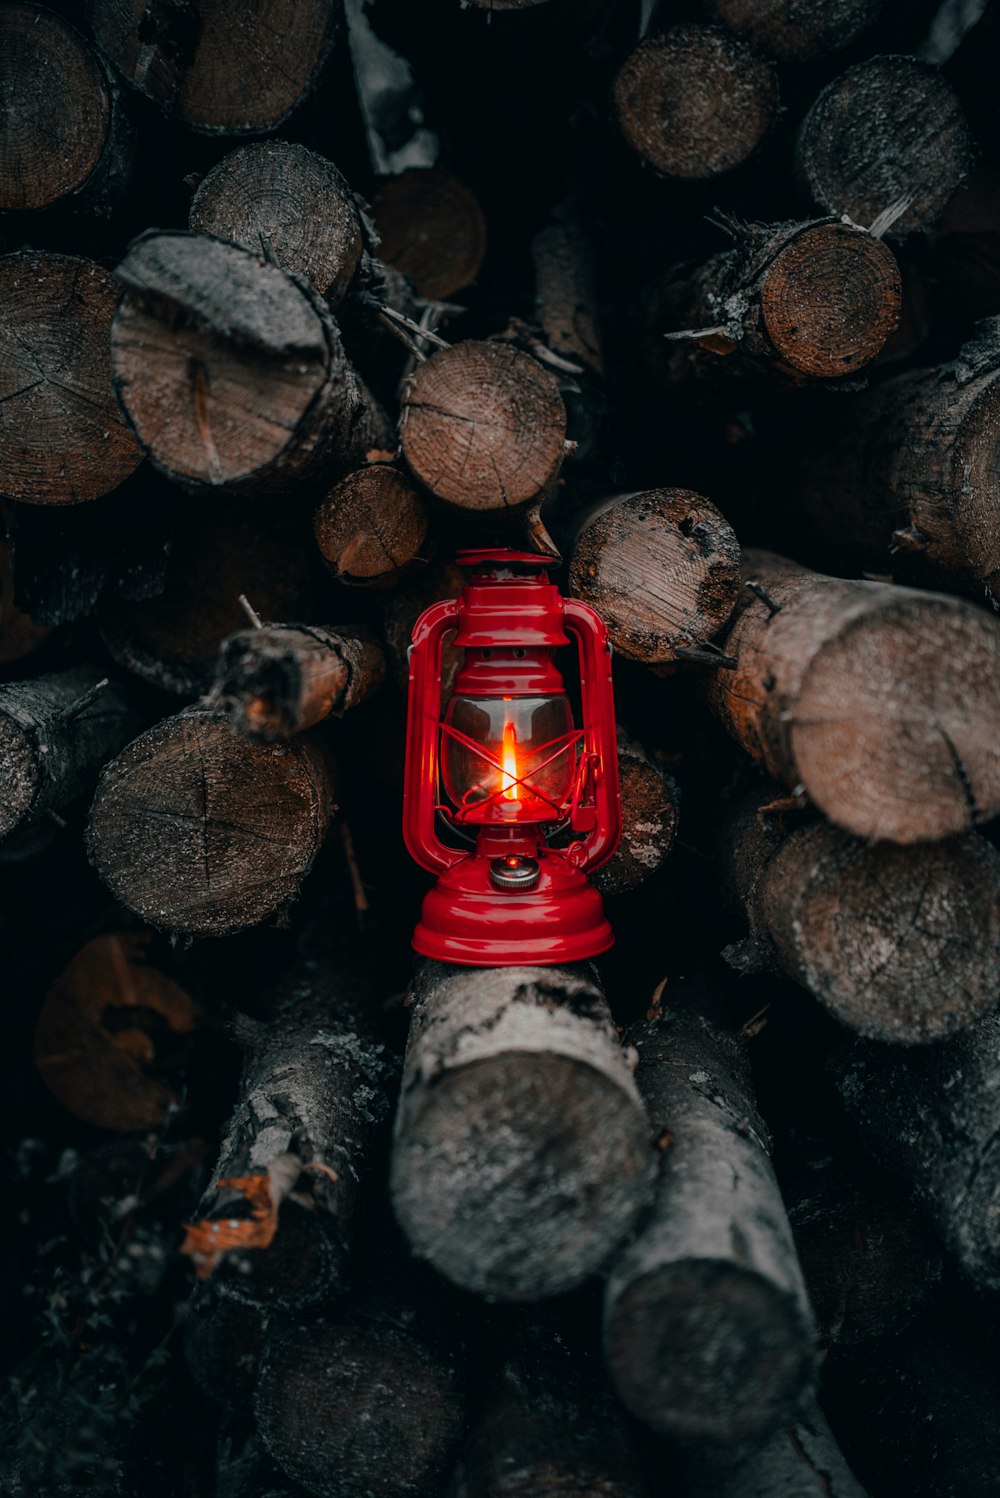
(372, 527)
(484, 427)
(695, 102)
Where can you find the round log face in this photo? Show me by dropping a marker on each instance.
(888, 129)
(199, 831)
(706, 1350)
(896, 730)
(797, 30)
(62, 437)
(483, 426)
(830, 299)
(521, 1143)
(56, 111)
(432, 229)
(695, 102)
(218, 67)
(277, 198)
(371, 527)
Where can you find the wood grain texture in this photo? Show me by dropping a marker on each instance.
(372, 527)
(276, 681)
(432, 229)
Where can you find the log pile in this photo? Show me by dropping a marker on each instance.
(698, 304)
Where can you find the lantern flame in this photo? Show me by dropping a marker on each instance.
(509, 760)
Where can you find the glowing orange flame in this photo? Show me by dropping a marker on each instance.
(509, 761)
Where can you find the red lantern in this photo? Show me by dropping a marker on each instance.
(505, 770)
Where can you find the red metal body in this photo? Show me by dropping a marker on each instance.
(541, 812)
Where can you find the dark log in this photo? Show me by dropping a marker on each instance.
(277, 1221)
(403, 608)
(62, 437)
(868, 1259)
(965, 244)
(889, 129)
(432, 230)
(64, 138)
(55, 734)
(368, 1400)
(20, 634)
(804, 302)
(708, 1329)
(794, 31)
(548, 1425)
(484, 429)
(901, 944)
(219, 68)
(649, 821)
(222, 1340)
(662, 568)
(372, 527)
(928, 1115)
(802, 1461)
(566, 290)
(277, 680)
(881, 704)
(223, 550)
(910, 476)
(201, 832)
(521, 1155)
(244, 1469)
(110, 1036)
(695, 102)
(920, 1414)
(231, 371)
(289, 205)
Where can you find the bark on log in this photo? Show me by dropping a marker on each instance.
(649, 821)
(889, 129)
(795, 32)
(231, 371)
(277, 1221)
(55, 734)
(662, 569)
(901, 944)
(868, 1259)
(222, 1340)
(548, 1425)
(929, 1116)
(920, 1414)
(275, 681)
(711, 1288)
(289, 205)
(566, 290)
(881, 704)
(64, 139)
(803, 1461)
(805, 302)
(695, 102)
(432, 229)
(62, 437)
(203, 833)
(372, 527)
(219, 68)
(521, 1155)
(222, 550)
(912, 474)
(366, 1401)
(483, 427)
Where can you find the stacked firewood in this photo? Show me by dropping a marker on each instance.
(699, 300)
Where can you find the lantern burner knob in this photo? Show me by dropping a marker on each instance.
(514, 872)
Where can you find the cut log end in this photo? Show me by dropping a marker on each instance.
(62, 437)
(484, 426)
(649, 824)
(497, 1180)
(57, 113)
(695, 102)
(797, 30)
(890, 128)
(830, 299)
(432, 230)
(662, 568)
(372, 527)
(709, 1351)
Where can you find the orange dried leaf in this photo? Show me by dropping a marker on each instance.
(207, 1242)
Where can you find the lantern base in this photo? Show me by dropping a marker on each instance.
(466, 920)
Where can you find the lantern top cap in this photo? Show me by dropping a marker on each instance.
(502, 556)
